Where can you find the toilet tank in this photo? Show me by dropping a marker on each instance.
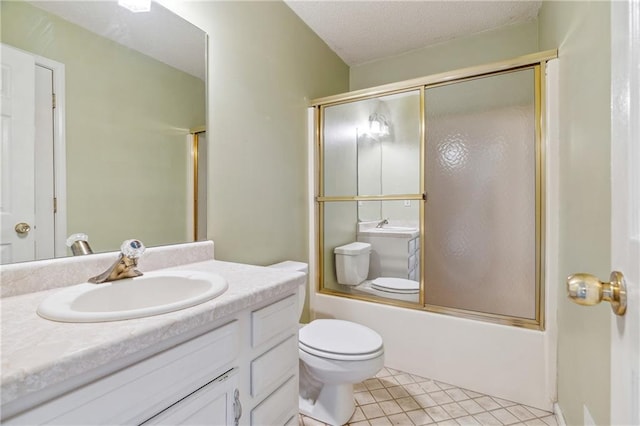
(352, 263)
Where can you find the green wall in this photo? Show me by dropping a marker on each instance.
(265, 65)
(485, 47)
(127, 118)
(581, 31)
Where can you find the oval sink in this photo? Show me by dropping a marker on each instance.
(151, 294)
(394, 229)
(400, 230)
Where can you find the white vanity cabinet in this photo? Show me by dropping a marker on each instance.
(273, 368)
(243, 372)
(393, 254)
(216, 403)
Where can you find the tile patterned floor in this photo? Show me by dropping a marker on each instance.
(397, 398)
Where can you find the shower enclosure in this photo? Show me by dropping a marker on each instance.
(444, 177)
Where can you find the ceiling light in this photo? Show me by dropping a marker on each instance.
(136, 5)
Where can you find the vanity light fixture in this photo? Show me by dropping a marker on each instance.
(136, 6)
(378, 125)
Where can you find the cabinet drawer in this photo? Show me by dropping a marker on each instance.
(210, 405)
(278, 408)
(412, 262)
(268, 369)
(136, 393)
(272, 320)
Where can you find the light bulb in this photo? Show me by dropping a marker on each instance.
(375, 127)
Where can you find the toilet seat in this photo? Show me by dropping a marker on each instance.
(340, 340)
(396, 285)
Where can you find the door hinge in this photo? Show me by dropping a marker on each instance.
(55, 205)
(53, 100)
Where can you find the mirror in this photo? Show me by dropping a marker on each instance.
(389, 156)
(134, 91)
(394, 251)
(371, 147)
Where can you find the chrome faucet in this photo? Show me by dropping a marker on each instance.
(125, 265)
(382, 223)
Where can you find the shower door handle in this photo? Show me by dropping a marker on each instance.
(588, 290)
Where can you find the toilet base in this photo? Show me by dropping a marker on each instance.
(334, 405)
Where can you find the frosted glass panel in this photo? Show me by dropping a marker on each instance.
(480, 180)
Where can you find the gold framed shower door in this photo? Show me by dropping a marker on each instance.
(537, 63)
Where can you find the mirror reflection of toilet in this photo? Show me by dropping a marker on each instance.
(352, 269)
(334, 355)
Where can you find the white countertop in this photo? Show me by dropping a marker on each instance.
(37, 353)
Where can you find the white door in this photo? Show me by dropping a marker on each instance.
(17, 211)
(625, 211)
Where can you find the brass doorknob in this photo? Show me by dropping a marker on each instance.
(586, 289)
(22, 228)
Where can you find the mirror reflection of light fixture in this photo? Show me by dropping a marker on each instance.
(136, 6)
(378, 125)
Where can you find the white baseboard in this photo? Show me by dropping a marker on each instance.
(558, 413)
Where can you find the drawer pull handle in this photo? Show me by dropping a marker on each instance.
(237, 407)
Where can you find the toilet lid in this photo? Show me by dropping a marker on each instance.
(337, 339)
(396, 285)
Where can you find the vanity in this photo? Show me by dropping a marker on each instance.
(395, 250)
(232, 360)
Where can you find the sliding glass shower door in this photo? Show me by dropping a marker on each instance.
(480, 245)
(445, 181)
(371, 192)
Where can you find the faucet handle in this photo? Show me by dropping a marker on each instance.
(132, 248)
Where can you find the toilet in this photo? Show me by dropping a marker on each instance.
(352, 269)
(352, 263)
(334, 355)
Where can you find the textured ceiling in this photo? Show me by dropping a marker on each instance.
(364, 31)
(159, 33)
(358, 31)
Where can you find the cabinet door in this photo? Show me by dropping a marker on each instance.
(212, 404)
(279, 407)
(135, 393)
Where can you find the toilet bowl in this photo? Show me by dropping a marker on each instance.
(391, 288)
(396, 285)
(334, 355)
